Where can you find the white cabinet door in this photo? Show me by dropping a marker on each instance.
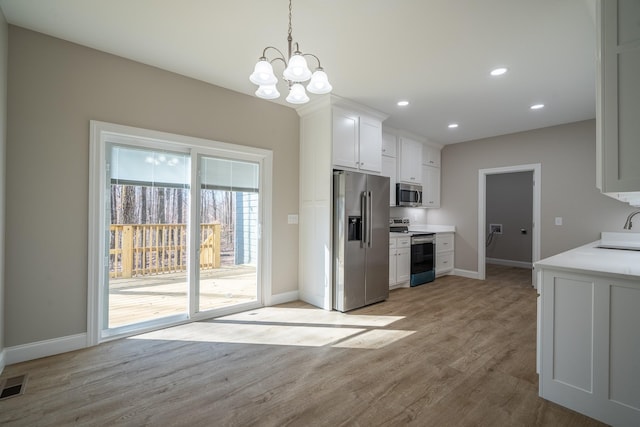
(430, 187)
(345, 138)
(403, 264)
(430, 156)
(589, 345)
(389, 145)
(370, 158)
(392, 261)
(445, 253)
(389, 169)
(618, 105)
(410, 165)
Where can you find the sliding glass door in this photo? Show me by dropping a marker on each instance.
(229, 216)
(178, 225)
(149, 199)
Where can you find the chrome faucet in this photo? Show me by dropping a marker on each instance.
(628, 224)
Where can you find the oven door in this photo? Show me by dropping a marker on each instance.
(422, 259)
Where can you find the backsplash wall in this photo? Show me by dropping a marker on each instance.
(415, 215)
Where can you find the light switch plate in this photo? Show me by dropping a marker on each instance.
(292, 219)
(558, 220)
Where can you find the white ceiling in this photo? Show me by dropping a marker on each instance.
(437, 54)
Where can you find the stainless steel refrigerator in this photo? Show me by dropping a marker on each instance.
(360, 239)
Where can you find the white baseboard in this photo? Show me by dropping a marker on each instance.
(284, 297)
(2, 360)
(466, 273)
(509, 263)
(36, 350)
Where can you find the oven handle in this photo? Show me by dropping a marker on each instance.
(419, 240)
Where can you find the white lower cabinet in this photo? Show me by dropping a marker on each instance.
(399, 261)
(589, 347)
(444, 253)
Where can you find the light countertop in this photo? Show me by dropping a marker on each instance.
(425, 228)
(590, 258)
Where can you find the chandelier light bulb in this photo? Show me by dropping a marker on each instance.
(319, 83)
(263, 73)
(297, 94)
(297, 70)
(268, 92)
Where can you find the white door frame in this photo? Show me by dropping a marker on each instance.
(482, 213)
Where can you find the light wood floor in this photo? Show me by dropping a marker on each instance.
(456, 352)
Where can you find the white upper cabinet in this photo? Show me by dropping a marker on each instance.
(370, 144)
(345, 139)
(410, 161)
(389, 145)
(430, 156)
(357, 141)
(430, 187)
(389, 168)
(618, 106)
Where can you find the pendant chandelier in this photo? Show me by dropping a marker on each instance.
(295, 72)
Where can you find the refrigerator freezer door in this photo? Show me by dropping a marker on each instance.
(349, 255)
(377, 256)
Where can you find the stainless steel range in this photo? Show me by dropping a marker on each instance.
(422, 251)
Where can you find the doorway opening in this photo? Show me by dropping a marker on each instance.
(510, 217)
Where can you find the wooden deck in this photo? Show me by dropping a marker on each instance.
(151, 297)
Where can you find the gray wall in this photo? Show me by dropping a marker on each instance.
(55, 88)
(567, 155)
(509, 202)
(3, 138)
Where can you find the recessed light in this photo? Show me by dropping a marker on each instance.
(403, 103)
(537, 106)
(452, 125)
(498, 71)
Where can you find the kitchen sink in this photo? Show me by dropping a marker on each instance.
(626, 241)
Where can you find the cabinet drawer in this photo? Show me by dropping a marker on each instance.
(444, 262)
(444, 242)
(392, 242)
(403, 242)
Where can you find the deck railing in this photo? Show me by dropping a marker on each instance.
(145, 249)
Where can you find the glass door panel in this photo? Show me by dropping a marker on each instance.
(229, 218)
(147, 237)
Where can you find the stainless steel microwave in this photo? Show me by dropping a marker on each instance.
(408, 194)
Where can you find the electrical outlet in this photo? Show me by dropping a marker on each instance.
(495, 228)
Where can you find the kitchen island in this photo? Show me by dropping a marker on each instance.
(589, 332)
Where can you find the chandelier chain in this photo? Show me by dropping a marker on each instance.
(290, 31)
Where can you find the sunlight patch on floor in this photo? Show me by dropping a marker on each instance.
(307, 336)
(307, 327)
(311, 316)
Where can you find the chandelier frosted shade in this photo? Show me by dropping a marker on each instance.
(297, 70)
(263, 74)
(297, 94)
(268, 92)
(319, 83)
